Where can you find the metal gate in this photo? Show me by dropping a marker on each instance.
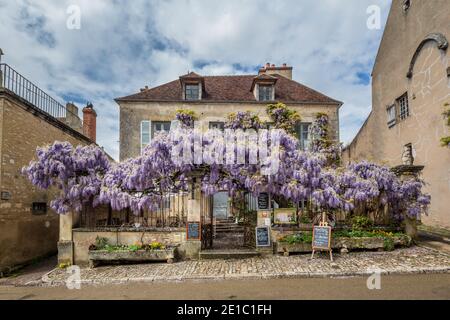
(207, 221)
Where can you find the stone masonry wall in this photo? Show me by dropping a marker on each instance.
(428, 94)
(82, 239)
(132, 113)
(24, 236)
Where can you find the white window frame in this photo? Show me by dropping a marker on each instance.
(198, 91)
(149, 134)
(303, 144)
(391, 115)
(403, 106)
(272, 91)
(216, 125)
(154, 123)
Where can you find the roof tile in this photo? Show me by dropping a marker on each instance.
(233, 88)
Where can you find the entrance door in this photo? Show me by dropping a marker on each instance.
(220, 205)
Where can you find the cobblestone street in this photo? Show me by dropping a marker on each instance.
(402, 261)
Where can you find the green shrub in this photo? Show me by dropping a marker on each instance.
(388, 244)
(301, 237)
(361, 223)
(101, 243)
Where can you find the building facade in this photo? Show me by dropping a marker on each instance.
(213, 98)
(410, 92)
(29, 118)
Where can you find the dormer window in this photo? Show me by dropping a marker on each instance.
(192, 91)
(263, 87)
(193, 86)
(265, 92)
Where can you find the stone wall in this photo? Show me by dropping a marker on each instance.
(428, 94)
(83, 238)
(132, 113)
(25, 236)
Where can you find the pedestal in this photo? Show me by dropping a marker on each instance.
(65, 243)
(408, 172)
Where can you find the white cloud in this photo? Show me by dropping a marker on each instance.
(124, 45)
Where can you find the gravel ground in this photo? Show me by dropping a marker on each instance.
(401, 261)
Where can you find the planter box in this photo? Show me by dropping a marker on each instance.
(286, 248)
(369, 243)
(96, 256)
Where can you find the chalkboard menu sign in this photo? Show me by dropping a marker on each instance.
(262, 236)
(193, 231)
(263, 201)
(321, 238)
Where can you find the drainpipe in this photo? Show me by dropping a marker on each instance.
(1, 72)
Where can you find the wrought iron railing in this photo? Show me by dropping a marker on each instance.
(22, 87)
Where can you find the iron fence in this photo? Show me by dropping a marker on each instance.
(13, 81)
(171, 212)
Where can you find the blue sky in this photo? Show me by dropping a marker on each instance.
(124, 45)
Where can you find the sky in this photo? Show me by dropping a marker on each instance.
(122, 46)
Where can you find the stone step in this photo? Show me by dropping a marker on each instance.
(228, 254)
(231, 229)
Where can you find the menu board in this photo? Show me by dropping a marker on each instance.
(193, 231)
(263, 201)
(321, 237)
(262, 236)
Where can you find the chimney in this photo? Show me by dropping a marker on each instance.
(90, 122)
(72, 119)
(283, 70)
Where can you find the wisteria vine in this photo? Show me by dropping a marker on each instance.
(85, 176)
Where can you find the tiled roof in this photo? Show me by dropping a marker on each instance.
(232, 89)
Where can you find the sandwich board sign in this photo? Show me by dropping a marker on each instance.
(321, 239)
(263, 236)
(193, 231)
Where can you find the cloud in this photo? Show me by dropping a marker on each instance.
(124, 45)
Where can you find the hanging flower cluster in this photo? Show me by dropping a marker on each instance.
(85, 176)
(321, 141)
(282, 117)
(142, 182)
(186, 117)
(77, 172)
(243, 120)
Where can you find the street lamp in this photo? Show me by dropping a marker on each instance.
(1, 54)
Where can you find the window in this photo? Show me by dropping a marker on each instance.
(149, 128)
(392, 115)
(403, 106)
(191, 92)
(39, 208)
(302, 130)
(217, 125)
(145, 134)
(265, 93)
(158, 126)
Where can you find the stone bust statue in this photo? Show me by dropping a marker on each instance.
(407, 155)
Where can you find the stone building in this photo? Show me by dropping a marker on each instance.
(30, 118)
(213, 98)
(410, 92)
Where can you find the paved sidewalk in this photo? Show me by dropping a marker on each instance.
(402, 261)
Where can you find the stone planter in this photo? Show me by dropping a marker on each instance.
(368, 243)
(287, 248)
(96, 256)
